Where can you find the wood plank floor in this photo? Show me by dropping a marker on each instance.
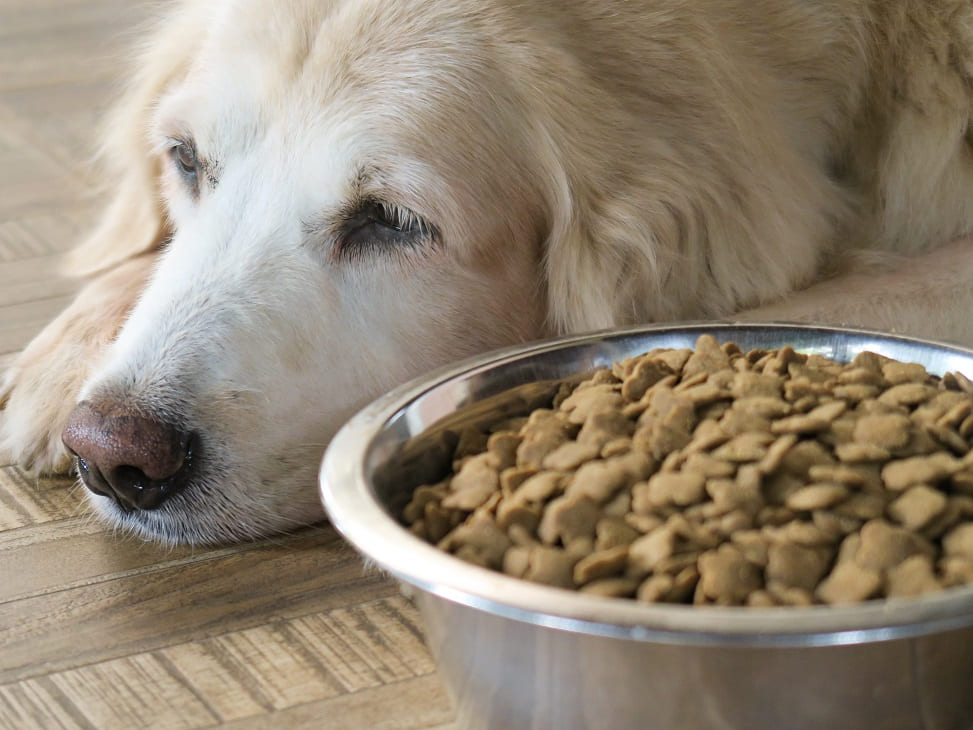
(102, 631)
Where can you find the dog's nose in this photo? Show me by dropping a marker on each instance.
(137, 461)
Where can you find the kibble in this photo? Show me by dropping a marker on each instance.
(714, 476)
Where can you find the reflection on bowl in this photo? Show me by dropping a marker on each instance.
(519, 655)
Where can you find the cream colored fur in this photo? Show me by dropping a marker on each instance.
(581, 165)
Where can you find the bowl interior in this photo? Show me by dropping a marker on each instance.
(406, 439)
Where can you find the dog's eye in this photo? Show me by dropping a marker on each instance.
(183, 155)
(378, 225)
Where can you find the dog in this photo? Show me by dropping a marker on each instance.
(312, 201)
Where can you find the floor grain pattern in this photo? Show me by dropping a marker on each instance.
(99, 630)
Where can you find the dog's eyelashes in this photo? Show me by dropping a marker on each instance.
(392, 217)
(377, 226)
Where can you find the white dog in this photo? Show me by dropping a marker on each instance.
(315, 200)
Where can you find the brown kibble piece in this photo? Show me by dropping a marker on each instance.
(649, 550)
(904, 473)
(474, 484)
(550, 566)
(680, 488)
(602, 427)
(706, 358)
(786, 595)
(834, 525)
(584, 402)
(512, 478)
(907, 394)
(818, 419)
(896, 372)
(888, 431)
(796, 565)
(600, 480)
(484, 543)
(753, 544)
(615, 587)
(644, 375)
(503, 446)
(539, 487)
(726, 574)
(798, 532)
(956, 571)
(511, 513)
(750, 384)
(748, 446)
(761, 599)
(567, 518)
(731, 494)
(862, 506)
(917, 507)
(655, 588)
(613, 532)
(956, 413)
(912, 577)
(849, 583)
(802, 456)
(544, 431)
(854, 393)
(856, 452)
(569, 455)
(776, 453)
(947, 437)
(884, 546)
(516, 560)
(601, 564)
(958, 542)
(711, 467)
(708, 434)
(817, 496)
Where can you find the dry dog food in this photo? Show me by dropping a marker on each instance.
(714, 476)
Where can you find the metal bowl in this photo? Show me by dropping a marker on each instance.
(519, 655)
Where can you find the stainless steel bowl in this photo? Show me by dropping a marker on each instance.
(518, 655)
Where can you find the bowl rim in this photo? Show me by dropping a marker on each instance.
(360, 518)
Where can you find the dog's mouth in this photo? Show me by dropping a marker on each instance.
(131, 488)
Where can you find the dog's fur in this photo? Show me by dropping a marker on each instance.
(575, 165)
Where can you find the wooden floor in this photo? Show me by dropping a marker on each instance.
(100, 631)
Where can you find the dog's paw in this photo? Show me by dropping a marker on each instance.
(40, 388)
(36, 398)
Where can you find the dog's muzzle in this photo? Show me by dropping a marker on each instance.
(138, 461)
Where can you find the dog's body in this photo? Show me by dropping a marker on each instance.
(316, 200)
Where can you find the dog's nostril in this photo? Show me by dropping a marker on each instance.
(131, 485)
(93, 478)
(138, 461)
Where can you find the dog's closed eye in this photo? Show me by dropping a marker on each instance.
(375, 227)
(183, 155)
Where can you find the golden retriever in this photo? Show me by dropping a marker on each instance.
(315, 200)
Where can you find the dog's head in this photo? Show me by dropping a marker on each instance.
(345, 203)
(344, 195)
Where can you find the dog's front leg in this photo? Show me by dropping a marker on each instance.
(928, 296)
(40, 388)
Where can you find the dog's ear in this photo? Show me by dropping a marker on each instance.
(134, 220)
(672, 241)
(604, 266)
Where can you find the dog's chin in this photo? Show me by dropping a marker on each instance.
(205, 514)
